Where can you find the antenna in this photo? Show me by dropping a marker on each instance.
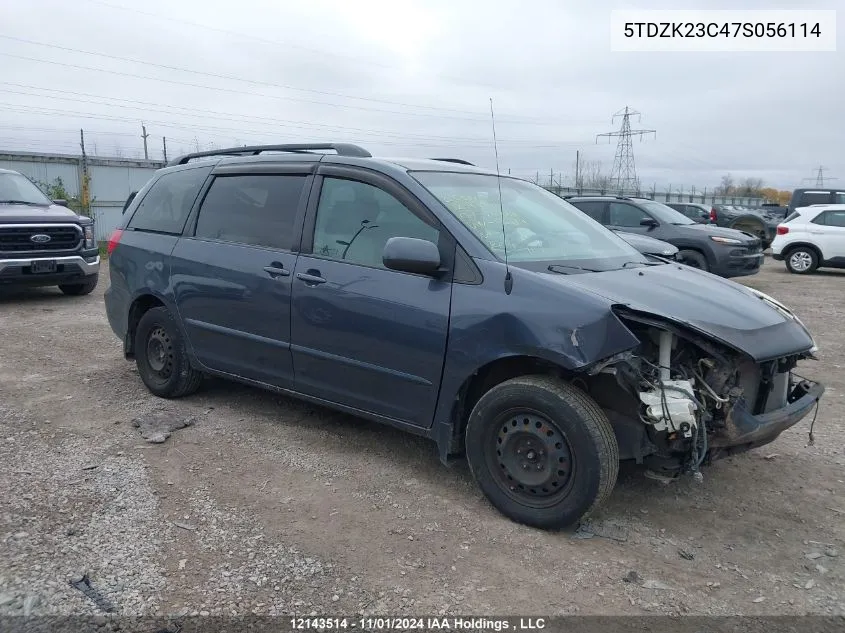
(508, 276)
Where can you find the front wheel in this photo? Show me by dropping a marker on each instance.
(542, 451)
(694, 259)
(85, 288)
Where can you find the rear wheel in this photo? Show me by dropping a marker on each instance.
(694, 259)
(86, 287)
(801, 260)
(542, 451)
(161, 356)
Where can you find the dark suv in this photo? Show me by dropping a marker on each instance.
(807, 197)
(480, 311)
(721, 251)
(42, 242)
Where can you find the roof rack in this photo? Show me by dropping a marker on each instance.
(459, 161)
(342, 149)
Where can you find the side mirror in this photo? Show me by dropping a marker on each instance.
(650, 222)
(129, 201)
(411, 255)
(60, 202)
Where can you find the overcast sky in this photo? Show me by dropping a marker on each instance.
(413, 78)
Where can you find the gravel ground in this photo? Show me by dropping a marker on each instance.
(266, 505)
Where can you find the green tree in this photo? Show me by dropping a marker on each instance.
(56, 190)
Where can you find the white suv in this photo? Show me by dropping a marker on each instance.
(811, 237)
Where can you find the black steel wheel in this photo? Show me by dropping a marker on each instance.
(531, 458)
(542, 451)
(162, 358)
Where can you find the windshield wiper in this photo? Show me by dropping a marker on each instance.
(560, 268)
(626, 264)
(26, 202)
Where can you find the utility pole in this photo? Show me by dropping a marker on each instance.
(85, 194)
(164, 145)
(578, 170)
(624, 173)
(144, 136)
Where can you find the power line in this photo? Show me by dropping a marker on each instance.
(232, 77)
(170, 19)
(623, 176)
(224, 116)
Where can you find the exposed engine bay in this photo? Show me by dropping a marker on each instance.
(679, 399)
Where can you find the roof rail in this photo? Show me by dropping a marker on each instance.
(459, 161)
(342, 149)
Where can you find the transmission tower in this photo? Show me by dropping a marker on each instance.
(820, 177)
(624, 174)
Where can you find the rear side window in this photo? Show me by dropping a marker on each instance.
(831, 218)
(839, 197)
(167, 204)
(814, 197)
(258, 210)
(593, 209)
(791, 217)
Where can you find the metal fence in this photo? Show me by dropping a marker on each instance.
(110, 180)
(659, 196)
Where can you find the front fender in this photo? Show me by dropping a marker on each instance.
(562, 325)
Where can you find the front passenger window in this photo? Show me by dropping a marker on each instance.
(355, 220)
(622, 214)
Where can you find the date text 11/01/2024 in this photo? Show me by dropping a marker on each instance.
(433, 623)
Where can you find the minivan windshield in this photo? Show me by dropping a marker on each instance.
(664, 214)
(540, 228)
(18, 189)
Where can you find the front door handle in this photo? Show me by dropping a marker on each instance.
(276, 271)
(311, 279)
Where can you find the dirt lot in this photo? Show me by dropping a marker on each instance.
(268, 505)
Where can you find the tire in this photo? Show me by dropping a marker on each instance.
(85, 288)
(693, 259)
(162, 358)
(554, 427)
(801, 260)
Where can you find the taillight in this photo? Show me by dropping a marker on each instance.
(114, 240)
(712, 215)
(783, 230)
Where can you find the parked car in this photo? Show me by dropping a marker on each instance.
(695, 211)
(480, 311)
(43, 242)
(810, 238)
(723, 252)
(649, 245)
(755, 221)
(806, 197)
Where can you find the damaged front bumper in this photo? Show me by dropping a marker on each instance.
(743, 430)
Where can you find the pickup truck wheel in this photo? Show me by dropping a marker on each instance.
(801, 260)
(85, 288)
(542, 451)
(161, 356)
(694, 259)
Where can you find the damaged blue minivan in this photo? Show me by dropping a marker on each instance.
(480, 311)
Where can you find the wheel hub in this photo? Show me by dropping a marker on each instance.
(533, 456)
(159, 352)
(800, 261)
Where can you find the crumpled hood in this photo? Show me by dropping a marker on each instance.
(719, 308)
(24, 214)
